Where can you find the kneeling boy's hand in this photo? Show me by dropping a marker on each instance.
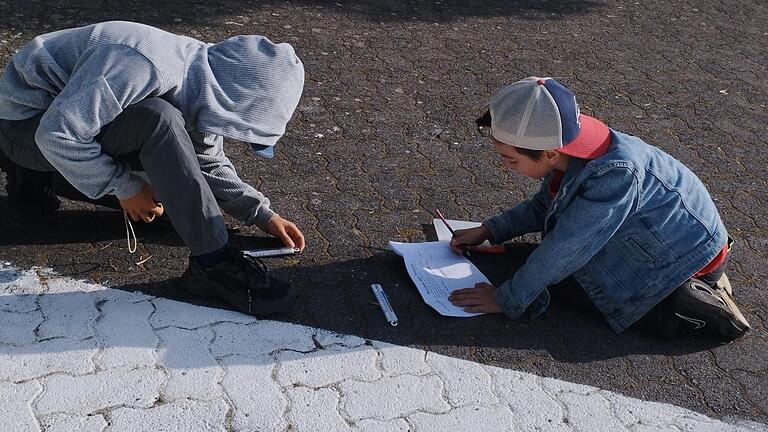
(469, 237)
(286, 231)
(481, 298)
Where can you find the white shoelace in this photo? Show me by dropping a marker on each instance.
(130, 233)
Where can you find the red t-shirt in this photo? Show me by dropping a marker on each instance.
(554, 187)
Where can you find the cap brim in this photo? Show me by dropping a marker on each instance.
(593, 139)
(264, 151)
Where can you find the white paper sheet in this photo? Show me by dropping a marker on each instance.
(443, 234)
(437, 271)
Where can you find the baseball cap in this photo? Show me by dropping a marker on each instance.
(264, 151)
(542, 114)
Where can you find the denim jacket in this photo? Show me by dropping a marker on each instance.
(630, 226)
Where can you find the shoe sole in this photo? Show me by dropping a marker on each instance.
(725, 284)
(191, 282)
(743, 326)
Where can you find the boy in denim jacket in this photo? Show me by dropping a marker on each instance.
(635, 228)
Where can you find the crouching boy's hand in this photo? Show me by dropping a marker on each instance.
(286, 231)
(467, 238)
(481, 298)
(142, 206)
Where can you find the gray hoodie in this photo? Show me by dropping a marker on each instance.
(245, 88)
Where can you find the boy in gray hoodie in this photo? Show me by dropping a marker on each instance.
(127, 110)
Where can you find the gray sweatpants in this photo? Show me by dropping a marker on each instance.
(150, 136)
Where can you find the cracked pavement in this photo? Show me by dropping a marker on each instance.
(384, 133)
(88, 358)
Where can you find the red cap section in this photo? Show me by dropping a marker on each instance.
(593, 139)
(541, 81)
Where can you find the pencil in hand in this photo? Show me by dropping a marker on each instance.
(464, 251)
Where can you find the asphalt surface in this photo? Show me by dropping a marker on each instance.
(385, 133)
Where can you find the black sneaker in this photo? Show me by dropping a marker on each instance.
(29, 190)
(242, 281)
(706, 308)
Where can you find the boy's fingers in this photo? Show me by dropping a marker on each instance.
(159, 210)
(286, 238)
(300, 242)
(297, 236)
(466, 302)
(466, 299)
(461, 292)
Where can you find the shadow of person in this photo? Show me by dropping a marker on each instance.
(211, 13)
(75, 222)
(337, 297)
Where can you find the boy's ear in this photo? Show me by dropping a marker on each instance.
(550, 156)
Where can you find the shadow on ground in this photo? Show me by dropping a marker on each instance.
(337, 297)
(38, 16)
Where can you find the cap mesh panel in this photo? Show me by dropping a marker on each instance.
(507, 112)
(524, 115)
(543, 128)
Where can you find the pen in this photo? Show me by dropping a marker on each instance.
(440, 215)
(383, 301)
(271, 252)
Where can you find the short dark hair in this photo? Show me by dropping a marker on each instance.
(484, 121)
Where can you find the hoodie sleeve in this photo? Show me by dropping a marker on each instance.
(237, 198)
(108, 79)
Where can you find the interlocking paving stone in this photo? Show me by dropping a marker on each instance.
(466, 384)
(327, 366)
(175, 314)
(260, 402)
(393, 397)
(257, 339)
(124, 330)
(75, 320)
(191, 368)
(532, 408)
(396, 360)
(71, 422)
(368, 425)
(19, 328)
(464, 418)
(15, 409)
(47, 357)
(178, 416)
(111, 388)
(318, 409)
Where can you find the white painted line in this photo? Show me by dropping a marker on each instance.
(78, 356)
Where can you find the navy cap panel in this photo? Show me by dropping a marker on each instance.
(569, 109)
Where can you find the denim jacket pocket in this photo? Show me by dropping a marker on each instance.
(641, 251)
(642, 254)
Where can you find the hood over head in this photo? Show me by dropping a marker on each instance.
(245, 88)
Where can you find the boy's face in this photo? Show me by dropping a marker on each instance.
(514, 160)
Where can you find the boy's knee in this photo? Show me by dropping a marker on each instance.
(156, 111)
